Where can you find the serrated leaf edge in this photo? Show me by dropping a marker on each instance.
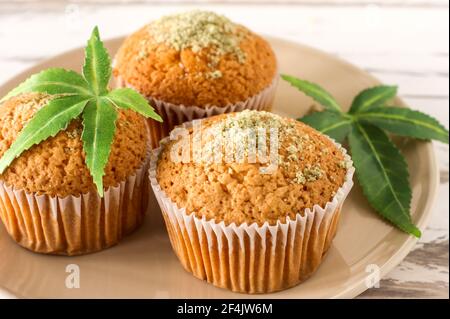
(365, 105)
(43, 127)
(404, 212)
(94, 39)
(99, 182)
(369, 142)
(154, 115)
(438, 128)
(16, 91)
(335, 107)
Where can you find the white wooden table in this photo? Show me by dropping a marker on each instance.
(400, 42)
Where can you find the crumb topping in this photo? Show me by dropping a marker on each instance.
(189, 72)
(198, 30)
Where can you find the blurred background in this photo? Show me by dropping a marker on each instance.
(399, 41)
(403, 42)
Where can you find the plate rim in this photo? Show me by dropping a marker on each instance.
(401, 252)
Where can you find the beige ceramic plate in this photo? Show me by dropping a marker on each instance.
(144, 266)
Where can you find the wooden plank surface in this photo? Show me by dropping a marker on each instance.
(400, 42)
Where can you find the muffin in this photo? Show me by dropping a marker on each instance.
(239, 225)
(197, 64)
(48, 201)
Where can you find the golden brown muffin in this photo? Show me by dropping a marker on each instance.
(310, 171)
(241, 228)
(196, 58)
(57, 165)
(48, 201)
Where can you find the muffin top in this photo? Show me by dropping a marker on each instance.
(196, 58)
(57, 166)
(309, 170)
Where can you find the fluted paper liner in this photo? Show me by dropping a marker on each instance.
(177, 114)
(251, 258)
(75, 225)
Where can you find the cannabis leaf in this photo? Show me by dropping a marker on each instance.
(130, 99)
(333, 124)
(75, 95)
(314, 91)
(383, 174)
(372, 97)
(99, 120)
(380, 167)
(48, 121)
(53, 81)
(406, 122)
(97, 65)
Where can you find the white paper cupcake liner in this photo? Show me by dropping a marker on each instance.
(176, 114)
(251, 258)
(75, 225)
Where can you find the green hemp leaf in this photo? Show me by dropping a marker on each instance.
(75, 95)
(380, 167)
